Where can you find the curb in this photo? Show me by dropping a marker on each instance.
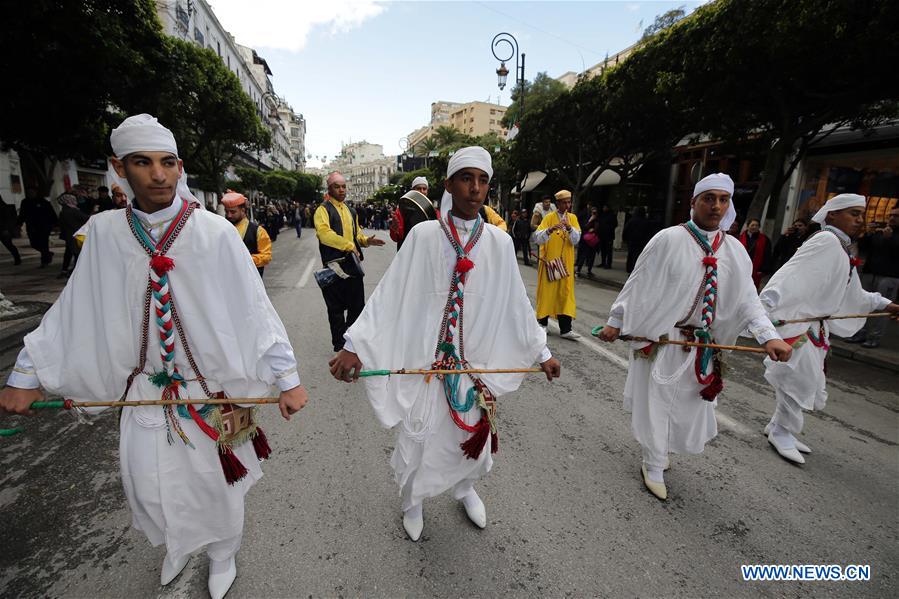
(863, 356)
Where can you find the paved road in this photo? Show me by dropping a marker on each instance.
(568, 515)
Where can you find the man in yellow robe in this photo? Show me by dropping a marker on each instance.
(557, 236)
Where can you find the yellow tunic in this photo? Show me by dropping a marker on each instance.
(556, 297)
(263, 243)
(495, 219)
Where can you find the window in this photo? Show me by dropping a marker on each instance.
(218, 48)
(492, 121)
(492, 111)
(198, 37)
(228, 58)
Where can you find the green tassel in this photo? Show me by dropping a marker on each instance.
(447, 348)
(374, 373)
(161, 379)
(54, 405)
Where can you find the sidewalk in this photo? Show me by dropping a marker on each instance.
(30, 287)
(886, 356)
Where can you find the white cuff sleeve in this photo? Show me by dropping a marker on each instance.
(348, 344)
(283, 364)
(541, 236)
(23, 375)
(762, 329)
(616, 318)
(574, 236)
(545, 355)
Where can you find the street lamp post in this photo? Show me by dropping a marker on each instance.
(500, 40)
(502, 72)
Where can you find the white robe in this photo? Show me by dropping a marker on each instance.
(400, 328)
(89, 342)
(668, 413)
(816, 281)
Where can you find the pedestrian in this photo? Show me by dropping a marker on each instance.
(445, 437)
(184, 476)
(636, 233)
(104, 201)
(788, 243)
(39, 218)
(298, 219)
(86, 203)
(671, 393)
(119, 198)
(821, 279)
(541, 210)
(340, 241)
(71, 219)
(880, 273)
(557, 236)
(254, 235)
(586, 247)
(272, 220)
(758, 246)
(7, 228)
(421, 185)
(608, 222)
(521, 235)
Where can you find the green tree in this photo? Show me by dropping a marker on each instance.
(663, 21)
(250, 178)
(67, 64)
(203, 103)
(539, 93)
(808, 74)
(278, 185)
(308, 188)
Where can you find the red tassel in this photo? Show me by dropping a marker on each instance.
(260, 445)
(231, 466)
(161, 264)
(463, 265)
(710, 261)
(475, 444)
(712, 391)
(494, 442)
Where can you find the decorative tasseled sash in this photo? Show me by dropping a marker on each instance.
(708, 297)
(453, 352)
(159, 296)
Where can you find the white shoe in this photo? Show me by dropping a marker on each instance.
(802, 447)
(788, 453)
(657, 489)
(570, 335)
(413, 526)
(171, 570)
(220, 583)
(475, 510)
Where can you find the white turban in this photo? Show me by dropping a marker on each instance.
(719, 182)
(839, 202)
(470, 157)
(143, 133)
(419, 181)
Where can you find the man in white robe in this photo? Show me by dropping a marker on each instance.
(214, 332)
(413, 321)
(691, 282)
(821, 279)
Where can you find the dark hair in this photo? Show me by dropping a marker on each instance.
(753, 220)
(546, 196)
(102, 188)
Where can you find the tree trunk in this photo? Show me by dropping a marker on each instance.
(772, 177)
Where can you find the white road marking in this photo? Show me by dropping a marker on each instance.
(306, 274)
(723, 420)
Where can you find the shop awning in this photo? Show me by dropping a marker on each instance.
(531, 181)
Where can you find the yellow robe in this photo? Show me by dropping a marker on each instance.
(556, 297)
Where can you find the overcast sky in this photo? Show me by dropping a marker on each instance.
(370, 70)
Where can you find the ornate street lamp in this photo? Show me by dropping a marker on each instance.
(502, 72)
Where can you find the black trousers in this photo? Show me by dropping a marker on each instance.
(564, 322)
(41, 243)
(586, 256)
(345, 299)
(71, 255)
(6, 240)
(605, 248)
(524, 245)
